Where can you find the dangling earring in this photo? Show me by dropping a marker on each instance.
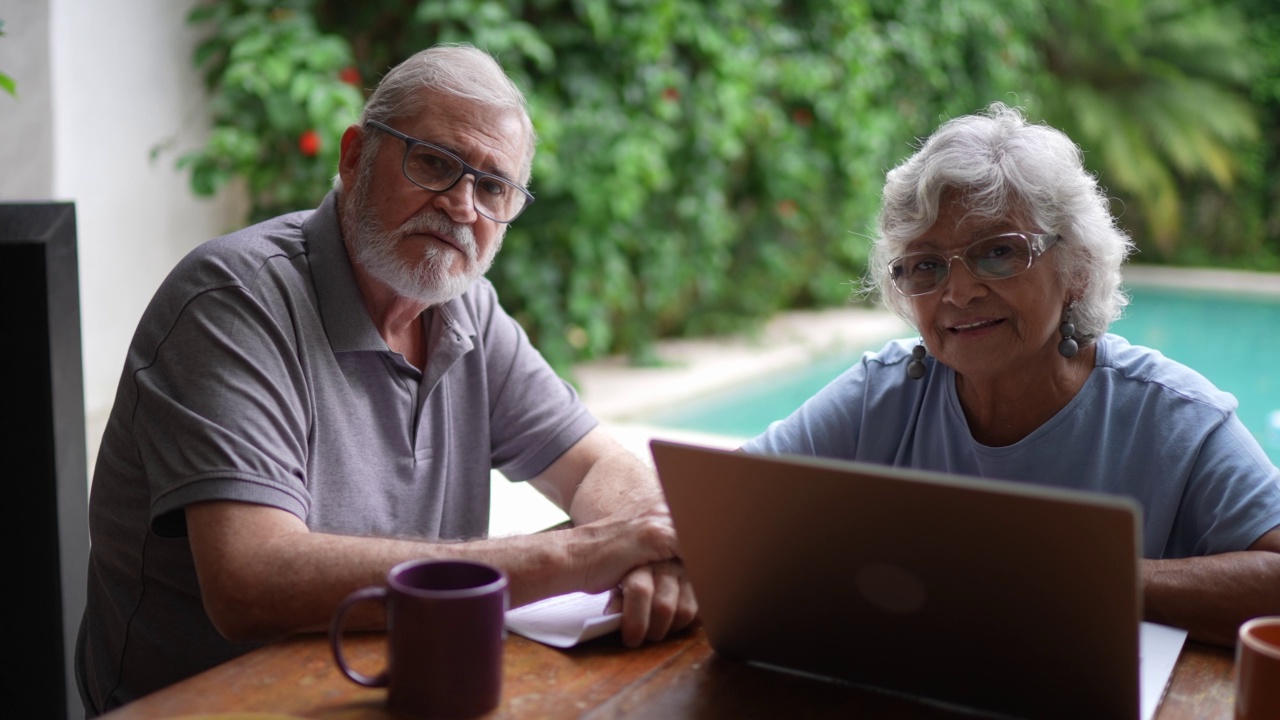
(1068, 347)
(915, 368)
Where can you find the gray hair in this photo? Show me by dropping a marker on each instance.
(458, 70)
(1006, 167)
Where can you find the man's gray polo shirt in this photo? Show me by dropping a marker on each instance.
(257, 375)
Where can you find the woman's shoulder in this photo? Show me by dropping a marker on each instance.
(1153, 371)
(894, 352)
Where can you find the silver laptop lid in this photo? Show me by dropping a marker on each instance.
(993, 595)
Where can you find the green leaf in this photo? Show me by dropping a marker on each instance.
(8, 85)
(207, 49)
(204, 13)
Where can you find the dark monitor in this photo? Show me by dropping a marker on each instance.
(42, 421)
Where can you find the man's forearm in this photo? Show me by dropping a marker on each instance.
(599, 478)
(261, 587)
(619, 485)
(264, 575)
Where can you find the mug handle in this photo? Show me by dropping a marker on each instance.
(335, 636)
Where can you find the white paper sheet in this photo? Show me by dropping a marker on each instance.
(565, 620)
(1158, 649)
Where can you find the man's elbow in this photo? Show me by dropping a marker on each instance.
(240, 616)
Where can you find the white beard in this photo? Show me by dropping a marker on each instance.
(428, 280)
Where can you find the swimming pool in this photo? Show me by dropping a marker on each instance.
(1232, 339)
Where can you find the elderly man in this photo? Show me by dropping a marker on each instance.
(311, 400)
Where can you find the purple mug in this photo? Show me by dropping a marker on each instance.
(445, 633)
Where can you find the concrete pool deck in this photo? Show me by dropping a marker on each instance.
(620, 394)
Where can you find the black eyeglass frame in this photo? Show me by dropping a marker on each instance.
(467, 169)
(1037, 243)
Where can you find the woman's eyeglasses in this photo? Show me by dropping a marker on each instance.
(994, 258)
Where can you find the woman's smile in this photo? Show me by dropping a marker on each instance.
(970, 327)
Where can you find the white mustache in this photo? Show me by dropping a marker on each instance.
(436, 222)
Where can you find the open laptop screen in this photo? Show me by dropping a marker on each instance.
(986, 594)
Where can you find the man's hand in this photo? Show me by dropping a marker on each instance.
(600, 554)
(655, 600)
(623, 537)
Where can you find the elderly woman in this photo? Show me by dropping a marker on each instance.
(1000, 249)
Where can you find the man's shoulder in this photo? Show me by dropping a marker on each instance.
(240, 256)
(280, 235)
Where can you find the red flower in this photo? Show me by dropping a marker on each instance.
(350, 76)
(802, 117)
(309, 143)
(670, 94)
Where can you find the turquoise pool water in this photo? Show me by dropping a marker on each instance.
(1234, 340)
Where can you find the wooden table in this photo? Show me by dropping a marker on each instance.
(681, 677)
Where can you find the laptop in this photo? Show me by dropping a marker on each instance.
(983, 595)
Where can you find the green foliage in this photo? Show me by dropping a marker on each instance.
(702, 165)
(6, 83)
(1157, 91)
(701, 170)
(1242, 227)
(278, 102)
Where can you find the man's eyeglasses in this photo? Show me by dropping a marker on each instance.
(993, 258)
(433, 168)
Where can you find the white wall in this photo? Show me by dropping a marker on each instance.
(101, 83)
(26, 127)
